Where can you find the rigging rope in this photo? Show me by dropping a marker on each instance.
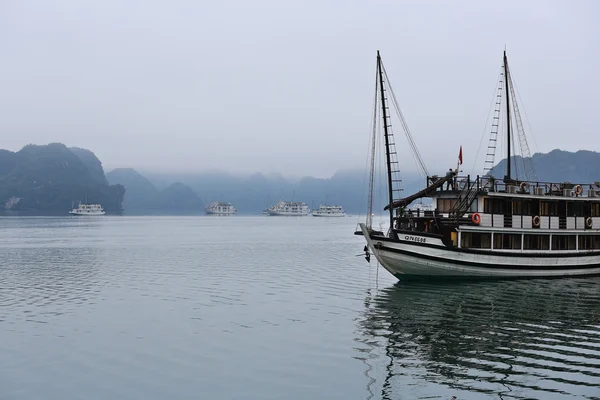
(526, 160)
(370, 159)
(409, 137)
(372, 169)
(525, 112)
(485, 127)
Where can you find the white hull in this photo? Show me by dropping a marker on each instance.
(212, 212)
(88, 210)
(87, 213)
(315, 214)
(405, 258)
(286, 214)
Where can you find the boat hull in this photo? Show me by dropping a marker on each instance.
(410, 256)
(86, 214)
(328, 215)
(212, 212)
(284, 214)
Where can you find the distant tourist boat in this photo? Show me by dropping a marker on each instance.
(88, 209)
(220, 208)
(289, 208)
(329, 211)
(485, 226)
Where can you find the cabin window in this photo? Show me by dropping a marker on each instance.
(536, 242)
(486, 240)
(498, 241)
(575, 209)
(548, 208)
(563, 242)
(595, 209)
(589, 242)
(476, 240)
(512, 241)
(507, 241)
(516, 207)
(493, 206)
(466, 240)
(526, 207)
(521, 207)
(445, 205)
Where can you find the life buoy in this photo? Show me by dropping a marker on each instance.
(589, 222)
(476, 218)
(578, 190)
(536, 221)
(524, 187)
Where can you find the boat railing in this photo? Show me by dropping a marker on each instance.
(488, 183)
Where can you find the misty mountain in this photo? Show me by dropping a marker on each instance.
(142, 197)
(582, 166)
(252, 194)
(49, 179)
(92, 163)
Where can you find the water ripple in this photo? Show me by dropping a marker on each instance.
(516, 339)
(270, 308)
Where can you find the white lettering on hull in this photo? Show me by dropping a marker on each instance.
(418, 239)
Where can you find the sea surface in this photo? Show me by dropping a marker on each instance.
(271, 308)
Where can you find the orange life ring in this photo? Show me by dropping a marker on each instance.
(536, 221)
(476, 218)
(578, 190)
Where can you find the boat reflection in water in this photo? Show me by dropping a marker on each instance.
(506, 339)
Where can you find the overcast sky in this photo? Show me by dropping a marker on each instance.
(275, 85)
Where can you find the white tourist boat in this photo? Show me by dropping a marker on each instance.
(482, 226)
(220, 208)
(289, 209)
(329, 211)
(88, 209)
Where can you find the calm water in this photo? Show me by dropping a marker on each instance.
(270, 308)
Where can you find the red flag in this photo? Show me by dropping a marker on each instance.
(460, 156)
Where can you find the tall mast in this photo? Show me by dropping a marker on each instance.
(507, 116)
(387, 142)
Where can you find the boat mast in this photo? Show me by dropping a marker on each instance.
(387, 142)
(507, 116)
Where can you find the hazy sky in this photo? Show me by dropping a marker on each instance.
(275, 85)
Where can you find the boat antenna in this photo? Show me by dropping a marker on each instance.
(507, 117)
(386, 136)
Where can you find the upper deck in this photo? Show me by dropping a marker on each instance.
(499, 188)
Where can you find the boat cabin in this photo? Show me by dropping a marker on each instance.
(488, 213)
